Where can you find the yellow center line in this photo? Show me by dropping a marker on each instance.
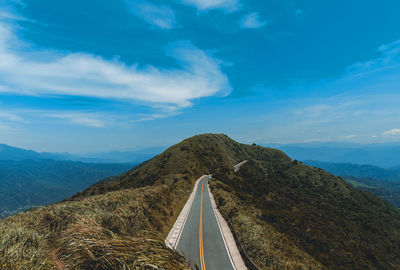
(202, 263)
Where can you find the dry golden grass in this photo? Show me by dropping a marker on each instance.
(111, 231)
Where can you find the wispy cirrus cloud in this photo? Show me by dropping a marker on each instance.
(5, 15)
(252, 21)
(390, 57)
(4, 127)
(79, 74)
(203, 5)
(392, 132)
(83, 119)
(160, 16)
(10, 117)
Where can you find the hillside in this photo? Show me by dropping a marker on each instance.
(28, 183)
(384, 183)
(388, 191)
(286, 215)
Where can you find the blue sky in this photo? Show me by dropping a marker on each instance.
(97, 75)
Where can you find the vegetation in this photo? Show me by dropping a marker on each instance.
(384, 183)
(28, 183)
(389, 191)
(111, 231)
(337, 225)
(286, 215)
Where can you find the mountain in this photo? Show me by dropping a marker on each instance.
(355, 170)
(285, 214)
(382, 155)
(12, 153)
(135, 156)
(28, 183)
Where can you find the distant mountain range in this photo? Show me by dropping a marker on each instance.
(28, 183)
(29, 178)
(356, 170)
(384, 155)
(135, 156)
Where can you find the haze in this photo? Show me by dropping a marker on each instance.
(92, 76)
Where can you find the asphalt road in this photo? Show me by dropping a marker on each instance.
(201, 241)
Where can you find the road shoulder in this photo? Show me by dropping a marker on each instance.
(175, 233)
(229, 240)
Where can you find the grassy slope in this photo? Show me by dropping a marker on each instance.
(338, 225)
(288, 216)
(82, 230)
(388, 191)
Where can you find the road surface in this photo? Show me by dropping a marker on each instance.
(201, 242)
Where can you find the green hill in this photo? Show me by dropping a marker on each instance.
(286, 215)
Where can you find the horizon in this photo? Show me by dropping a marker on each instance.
(98, 77)
(312, 144)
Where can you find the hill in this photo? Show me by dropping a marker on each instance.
(286, 215)
(29, 183)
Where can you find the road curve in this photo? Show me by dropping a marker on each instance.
(197, 233)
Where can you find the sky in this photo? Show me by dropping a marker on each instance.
(99, 75)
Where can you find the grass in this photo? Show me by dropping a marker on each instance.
(286, 215)
(267, 247)
(298, 217)
(118, 230)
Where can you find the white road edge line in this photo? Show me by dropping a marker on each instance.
(229, 241)
(175, 233)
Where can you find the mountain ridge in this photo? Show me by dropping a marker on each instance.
(29, 183)
(286, 214)
(384, 155)
(8, 152)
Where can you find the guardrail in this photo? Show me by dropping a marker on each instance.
(249, 263)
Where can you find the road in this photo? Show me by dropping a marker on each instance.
(201, 242)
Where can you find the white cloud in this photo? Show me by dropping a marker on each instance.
(390, 57)
(252, 20)
(4, 127)
(4, 15)
(83, 119)
(160, 16)
(202, 5)
(7, 116)
(79, 74)
(350, 136)
(392, 132)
